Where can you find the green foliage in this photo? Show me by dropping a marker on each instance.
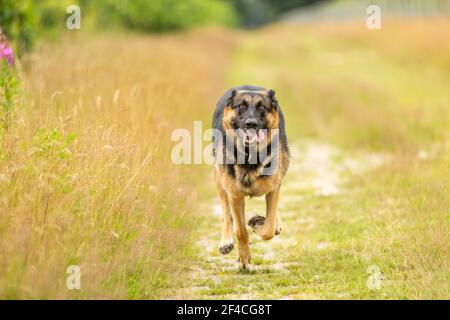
(23, 21)
(18, 22)
(51, 16)
(155, 15)
(47, 142)
(9, 85)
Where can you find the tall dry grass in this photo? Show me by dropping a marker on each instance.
(366, 90)
(85, 171)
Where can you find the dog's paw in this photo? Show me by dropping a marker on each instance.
(256, 221)
(246, 268)
(226, 248)
(245, 264)
(277, 231)
(257, 224)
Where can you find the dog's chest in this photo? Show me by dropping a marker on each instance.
(253, 183)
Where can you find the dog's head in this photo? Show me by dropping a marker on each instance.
(251, 116)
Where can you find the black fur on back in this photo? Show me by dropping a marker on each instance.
(217, 124)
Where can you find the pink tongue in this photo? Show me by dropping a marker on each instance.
(252, 136)
(260, 136)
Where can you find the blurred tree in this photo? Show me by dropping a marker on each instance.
(18, 22)
(254, 13)
(25, 20)
(285, 5)
(156, 15)
(51, 15)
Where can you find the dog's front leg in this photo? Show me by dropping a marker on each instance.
(270, 226)
(226, 241)
(237, 205)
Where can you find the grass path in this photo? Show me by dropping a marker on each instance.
(318, 171)
(366, 196)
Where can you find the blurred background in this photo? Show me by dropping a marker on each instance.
(25, 21)
(86, 176)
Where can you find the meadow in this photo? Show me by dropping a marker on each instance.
(86, 177)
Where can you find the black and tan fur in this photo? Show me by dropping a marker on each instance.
(236, 181)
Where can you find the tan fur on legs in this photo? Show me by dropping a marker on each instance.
(237, 205)
(226, 241)
(268, 230)
(279, 224)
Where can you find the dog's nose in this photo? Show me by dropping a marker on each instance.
(251, 123)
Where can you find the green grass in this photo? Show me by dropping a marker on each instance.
(367, 118)
(344, 87)
(86, 176)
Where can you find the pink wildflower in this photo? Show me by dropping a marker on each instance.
(5, 50)
(7, 54)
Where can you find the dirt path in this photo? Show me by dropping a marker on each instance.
(318, 171)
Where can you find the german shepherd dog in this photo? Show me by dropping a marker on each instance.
(251, 159)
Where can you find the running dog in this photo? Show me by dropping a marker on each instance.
(251, 159)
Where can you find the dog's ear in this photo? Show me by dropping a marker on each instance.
(231, 97)
(273, 99)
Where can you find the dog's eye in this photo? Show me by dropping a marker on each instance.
(261, 108)
(242, 106)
